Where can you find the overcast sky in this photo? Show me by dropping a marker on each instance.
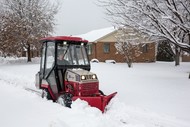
(79, 16)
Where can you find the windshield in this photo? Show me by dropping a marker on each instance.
(72, 55)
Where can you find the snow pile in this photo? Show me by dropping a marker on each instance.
(94, 60)
(110, 61)
(16, 60)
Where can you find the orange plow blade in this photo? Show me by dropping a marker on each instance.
(99, 102)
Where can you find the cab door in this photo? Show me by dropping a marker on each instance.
(47, 69)
(40, 75)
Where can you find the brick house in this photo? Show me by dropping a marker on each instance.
(102, 46)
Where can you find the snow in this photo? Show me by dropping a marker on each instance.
(149, 95)
(110, 61)
(94, 35)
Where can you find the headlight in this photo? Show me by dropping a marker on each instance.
(94, 77)
(83, 77)
(88, 77)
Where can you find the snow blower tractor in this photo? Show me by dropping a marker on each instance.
(65, 75)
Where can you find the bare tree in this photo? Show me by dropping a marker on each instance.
(161, 19)
(7, 47)
(129, 44)
(27, 21)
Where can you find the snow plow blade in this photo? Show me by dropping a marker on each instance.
(99, 102)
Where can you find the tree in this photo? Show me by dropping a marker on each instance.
(27, 21)
(164, 52)
(160, 19)
(7, 47)
(128, 44)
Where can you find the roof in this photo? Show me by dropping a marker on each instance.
(64, 38)
(95, 35)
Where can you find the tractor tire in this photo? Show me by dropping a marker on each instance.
(65, 100)
(46, 94)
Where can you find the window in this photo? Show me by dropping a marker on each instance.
(43, 59)
(49, 56)
(89, 49)
(73, 54)
(106, 47)
(145, 48)
(81, 55)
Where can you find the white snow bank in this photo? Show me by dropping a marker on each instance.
(110, 61)
(16, 60)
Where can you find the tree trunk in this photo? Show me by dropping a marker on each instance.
(189, 38)
(177, 56)
(29, 54)
(129, 63)
(189, 44)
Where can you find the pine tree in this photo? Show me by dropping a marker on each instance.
(164, 52)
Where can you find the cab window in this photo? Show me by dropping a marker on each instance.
(50, 55)
(43, 59)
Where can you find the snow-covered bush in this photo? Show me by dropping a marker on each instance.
(94, 60)
(110, 61)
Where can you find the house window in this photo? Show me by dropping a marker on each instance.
(106, 47)
(89, 49)
(145, 48)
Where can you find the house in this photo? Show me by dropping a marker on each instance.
(185, 57)
(102, 46)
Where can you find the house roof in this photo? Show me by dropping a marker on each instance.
(64, 38)
(95, 35)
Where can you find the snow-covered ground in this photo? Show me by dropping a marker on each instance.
(149, 95)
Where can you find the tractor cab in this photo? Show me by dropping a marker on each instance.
(65, 75)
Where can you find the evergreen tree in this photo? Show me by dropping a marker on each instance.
(164, 52)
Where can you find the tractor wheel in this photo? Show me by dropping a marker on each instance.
(65, 100)
(46, 94)
(102, 93)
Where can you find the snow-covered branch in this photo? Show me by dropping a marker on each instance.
(166, 19)
(25, 21)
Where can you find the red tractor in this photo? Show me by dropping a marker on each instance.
(65, 75)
